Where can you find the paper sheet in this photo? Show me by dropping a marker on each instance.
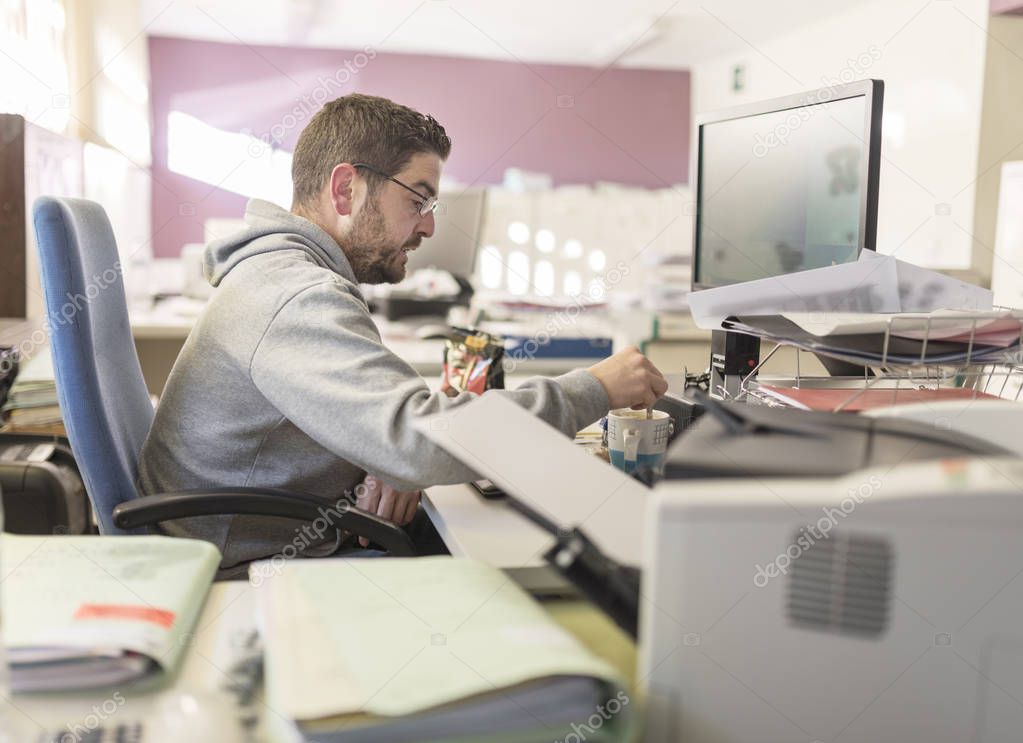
(874, 283)
(988, 326)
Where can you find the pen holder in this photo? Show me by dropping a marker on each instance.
(472, 362)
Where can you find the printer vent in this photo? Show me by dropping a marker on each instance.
(841, 584)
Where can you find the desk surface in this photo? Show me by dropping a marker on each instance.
(20, 332)
(485, 530)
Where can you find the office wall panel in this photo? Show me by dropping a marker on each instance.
(12, 216)
(931, 58)
(579, 124)
(34, 162)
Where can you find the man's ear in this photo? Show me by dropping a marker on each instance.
(341, 179)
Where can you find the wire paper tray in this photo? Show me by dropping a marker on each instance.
(979, 354)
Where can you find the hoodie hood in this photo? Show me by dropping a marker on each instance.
(269, 228)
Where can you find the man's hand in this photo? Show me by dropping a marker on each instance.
(630, 380)
(386, 502)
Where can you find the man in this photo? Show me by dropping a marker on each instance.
(284, 381)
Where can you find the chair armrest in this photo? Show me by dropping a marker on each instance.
(148, 510)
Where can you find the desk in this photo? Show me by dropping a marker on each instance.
(22, 333)
(491, 532)
(161, 331)
(29, 337)
(486, 530)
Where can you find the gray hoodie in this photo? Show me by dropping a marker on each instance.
(284, 383)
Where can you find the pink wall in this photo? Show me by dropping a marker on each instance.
(580, 124)
(1006, 7)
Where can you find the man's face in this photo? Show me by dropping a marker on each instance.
(388, 225)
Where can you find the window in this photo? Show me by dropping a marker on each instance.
(33, 65)
(232, 161)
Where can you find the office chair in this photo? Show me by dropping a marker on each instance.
(104, 400)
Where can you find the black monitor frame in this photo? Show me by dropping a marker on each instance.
(873, 93)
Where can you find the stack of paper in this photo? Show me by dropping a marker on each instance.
(874, 283)
(84, 612)
(32, 400)
(948, 337)
(986, 328)
(425, 649)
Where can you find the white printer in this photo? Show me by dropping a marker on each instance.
(884, 605)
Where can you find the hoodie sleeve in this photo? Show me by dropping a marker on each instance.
(320, 362)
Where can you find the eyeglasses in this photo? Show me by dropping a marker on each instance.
(427, 204)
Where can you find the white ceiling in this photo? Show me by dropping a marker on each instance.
(633, 33)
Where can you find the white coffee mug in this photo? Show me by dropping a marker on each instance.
(633, 439)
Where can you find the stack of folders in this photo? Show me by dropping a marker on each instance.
(32, 400)
(88, 612)
(427, 649)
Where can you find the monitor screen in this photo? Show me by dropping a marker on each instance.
(783, 190)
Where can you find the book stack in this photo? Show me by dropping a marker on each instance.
(425, 649)
(82, 612)
(32, 400)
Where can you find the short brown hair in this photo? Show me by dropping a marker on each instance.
(361, 128)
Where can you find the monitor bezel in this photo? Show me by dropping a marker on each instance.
(873, 93)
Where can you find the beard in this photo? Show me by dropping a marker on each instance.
(374, 257)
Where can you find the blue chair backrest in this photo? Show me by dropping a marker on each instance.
(102, 394)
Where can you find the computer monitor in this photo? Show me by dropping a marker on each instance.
(787, 184)
(456, 237)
